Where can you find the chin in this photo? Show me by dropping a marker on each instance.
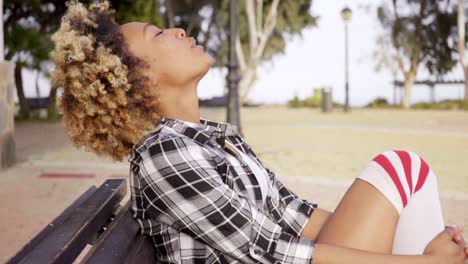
(208, 61)
(203, 65)
(209, 58)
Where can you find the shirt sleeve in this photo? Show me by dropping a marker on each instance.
(182, 184)
(295, 212)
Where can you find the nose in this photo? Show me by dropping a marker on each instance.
(180, 33)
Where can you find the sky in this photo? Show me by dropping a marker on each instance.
(317, 60)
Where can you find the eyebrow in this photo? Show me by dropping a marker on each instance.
(148, 25)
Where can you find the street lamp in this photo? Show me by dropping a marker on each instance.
(346, 14)
(2, 48)
(233, 77)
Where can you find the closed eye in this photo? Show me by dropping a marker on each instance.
(159, 33)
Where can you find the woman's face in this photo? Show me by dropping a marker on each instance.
(174, 58)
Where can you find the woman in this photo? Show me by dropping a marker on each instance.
(197, 187)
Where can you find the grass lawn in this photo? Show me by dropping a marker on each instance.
(305, 142)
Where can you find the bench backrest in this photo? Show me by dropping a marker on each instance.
(122, 243)
(96, 219)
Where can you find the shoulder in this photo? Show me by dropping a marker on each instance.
(162, 140)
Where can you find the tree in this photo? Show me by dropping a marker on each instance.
(138, 10)
(268, 25)
(385, 59)
(420, 33)
(264, 26)
(461, 23)
(262, 35)
(26, 43)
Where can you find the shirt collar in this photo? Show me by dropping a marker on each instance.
(203, 131)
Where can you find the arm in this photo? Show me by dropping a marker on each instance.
(307, 225)
(182, 187)
(443, 249)
(331, 254)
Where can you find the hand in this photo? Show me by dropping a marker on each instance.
(459, 239)
(444, 249)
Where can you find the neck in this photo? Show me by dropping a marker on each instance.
(180, 103)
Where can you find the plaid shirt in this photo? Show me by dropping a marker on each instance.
(201, 203)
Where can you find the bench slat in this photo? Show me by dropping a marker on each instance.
(122, 243)
(65, 242)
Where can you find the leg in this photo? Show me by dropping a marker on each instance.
(364, 219)
(420, 221)
(403, 186)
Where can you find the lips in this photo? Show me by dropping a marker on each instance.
(194, 42)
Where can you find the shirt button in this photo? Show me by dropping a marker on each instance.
(256, 252)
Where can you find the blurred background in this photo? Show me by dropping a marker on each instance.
(318, 88)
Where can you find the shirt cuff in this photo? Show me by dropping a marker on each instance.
(297, 213)
(270, 243)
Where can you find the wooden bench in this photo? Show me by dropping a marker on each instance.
(37, 103)
(97, 220)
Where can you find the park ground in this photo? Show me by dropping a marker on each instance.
(317, 155)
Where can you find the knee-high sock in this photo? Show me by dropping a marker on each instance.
(406, 180)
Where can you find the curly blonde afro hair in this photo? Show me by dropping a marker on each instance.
(108, 104)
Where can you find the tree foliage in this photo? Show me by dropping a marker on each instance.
(422, 33)
(30, 23)
(207, 21)
(461, 28)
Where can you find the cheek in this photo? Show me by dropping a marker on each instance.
(168, 62)
(176, 61)
(171, 56)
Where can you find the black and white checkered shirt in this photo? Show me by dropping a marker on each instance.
(202, 204)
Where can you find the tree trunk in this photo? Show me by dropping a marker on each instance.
(51, 105)
(259, 34)
(38, 89)
(246, 83)
(465, 101)
(409, 81)
(170, 14)
(23, 104)
(461, 47)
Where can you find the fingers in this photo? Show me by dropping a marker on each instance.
(451, 231)
(459, 238)
(458, 228)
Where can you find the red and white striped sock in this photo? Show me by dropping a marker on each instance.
(410, 185)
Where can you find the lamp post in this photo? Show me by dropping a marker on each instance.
(233, 77)
(2, 48)
(346, 14)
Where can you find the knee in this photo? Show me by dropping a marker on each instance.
(402, 159)
(404, 171)
(405, 166)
